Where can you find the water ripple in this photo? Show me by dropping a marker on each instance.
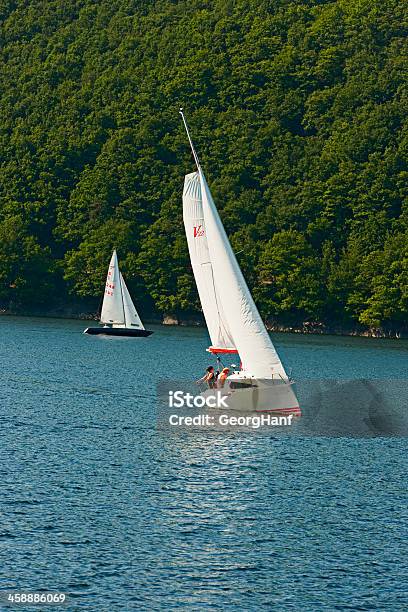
(96, 502)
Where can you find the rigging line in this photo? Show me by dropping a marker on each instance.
(99, 311)
(221, 328)
(197, 161)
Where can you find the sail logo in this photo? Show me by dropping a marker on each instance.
(198, 231)
(109, 289)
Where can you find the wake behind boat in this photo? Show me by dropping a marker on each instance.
(118, 315)
(233, 321)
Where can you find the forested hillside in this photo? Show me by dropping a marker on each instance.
(299, 113)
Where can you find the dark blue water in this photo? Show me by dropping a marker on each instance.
(99, 504)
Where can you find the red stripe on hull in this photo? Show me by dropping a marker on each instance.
(296, 411)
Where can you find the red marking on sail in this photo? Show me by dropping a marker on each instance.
(198, 231)
(214, 349)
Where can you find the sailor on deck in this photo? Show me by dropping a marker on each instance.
(209, 377)
(222, 378)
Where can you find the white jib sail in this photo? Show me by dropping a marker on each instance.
(194, 225)
(258, 355)
(112, 308)
(132, 318)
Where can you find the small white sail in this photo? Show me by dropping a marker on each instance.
(258, 355)
(132, 319)
(202, 267)
(112, 308)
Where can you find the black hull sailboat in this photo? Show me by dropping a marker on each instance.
(117, 331)
(119, 316)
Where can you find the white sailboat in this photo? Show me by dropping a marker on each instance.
(118, 315)
(233, 321)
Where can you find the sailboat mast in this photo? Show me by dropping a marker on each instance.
(197, 161)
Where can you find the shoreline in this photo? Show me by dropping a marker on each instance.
(307, 328)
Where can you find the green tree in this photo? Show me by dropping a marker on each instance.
(299, 113)
(290, 277)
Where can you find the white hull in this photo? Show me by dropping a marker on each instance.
(263, 396)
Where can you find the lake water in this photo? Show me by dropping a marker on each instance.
(98, 502)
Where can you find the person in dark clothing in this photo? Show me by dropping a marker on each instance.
(209, 377)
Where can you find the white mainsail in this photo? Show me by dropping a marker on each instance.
(194, 225)
(112, 308)
(132, 318)
(258, 355)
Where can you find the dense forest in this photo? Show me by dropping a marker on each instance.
(298, 110)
